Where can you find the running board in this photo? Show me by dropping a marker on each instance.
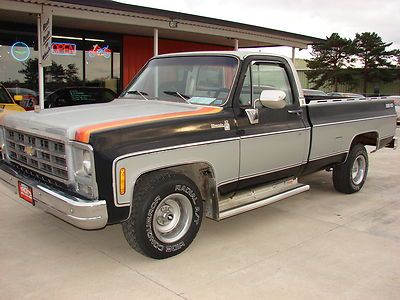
(300, 188)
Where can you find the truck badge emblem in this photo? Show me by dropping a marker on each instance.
(389, 105)
(224, 125)
(29, 150)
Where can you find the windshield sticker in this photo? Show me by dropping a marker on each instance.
(201, 100)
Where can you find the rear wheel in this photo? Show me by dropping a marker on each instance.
(350, 176)
(166, 215)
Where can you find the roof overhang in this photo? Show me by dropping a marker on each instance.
(110, 16)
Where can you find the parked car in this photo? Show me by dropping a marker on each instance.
(345, 95)
(396, 100)
(230, 134)
(311, 92)
(70, 96)
(7, 103)
(30, 98)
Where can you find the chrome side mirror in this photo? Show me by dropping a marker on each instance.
(274, 99)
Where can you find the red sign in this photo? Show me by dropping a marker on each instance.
(25, 192)
(63, 49)
(100, 51)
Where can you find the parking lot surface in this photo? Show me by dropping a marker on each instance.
(317, 245)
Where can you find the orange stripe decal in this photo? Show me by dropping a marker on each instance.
(83, 134)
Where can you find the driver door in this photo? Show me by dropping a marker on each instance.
(276, 146)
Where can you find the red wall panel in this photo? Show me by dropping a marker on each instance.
(138, 50)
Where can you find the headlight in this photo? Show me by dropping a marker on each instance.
(87, 163)
(84, 170)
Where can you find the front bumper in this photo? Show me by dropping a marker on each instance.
(81, 213)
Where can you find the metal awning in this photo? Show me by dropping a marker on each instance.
(111, 16)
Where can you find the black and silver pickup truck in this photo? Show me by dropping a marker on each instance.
(206, 133)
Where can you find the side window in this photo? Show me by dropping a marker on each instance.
(264, 76)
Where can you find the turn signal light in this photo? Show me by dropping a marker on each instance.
(122, 181)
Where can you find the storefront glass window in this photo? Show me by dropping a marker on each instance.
(76, 61)
(66, 68)
(19, 66)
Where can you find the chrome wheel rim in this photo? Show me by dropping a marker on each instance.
(172, 218)
(358, 170)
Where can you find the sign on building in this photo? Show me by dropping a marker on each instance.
(46, 33)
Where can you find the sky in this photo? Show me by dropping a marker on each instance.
(308, 17)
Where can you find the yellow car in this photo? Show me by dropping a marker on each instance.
(7, 103)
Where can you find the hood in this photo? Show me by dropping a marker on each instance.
(78, 122)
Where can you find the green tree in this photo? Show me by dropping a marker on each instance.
(376, 61)
(31, 72)
(57, 72)
(331, 61)
(71, 74)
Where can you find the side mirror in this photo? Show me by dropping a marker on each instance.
(274, 99)
(18, 98)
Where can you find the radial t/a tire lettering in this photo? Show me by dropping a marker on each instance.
(350, 176)
(166, 214)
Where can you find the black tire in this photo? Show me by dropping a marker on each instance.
(348, 180)
(160, 200)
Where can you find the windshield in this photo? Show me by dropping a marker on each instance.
(203, 80)
(4, 97)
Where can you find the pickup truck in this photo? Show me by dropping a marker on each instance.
(197, 134)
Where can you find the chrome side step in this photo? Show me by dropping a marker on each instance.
(292, 189)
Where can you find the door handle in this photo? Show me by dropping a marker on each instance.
(295, 111)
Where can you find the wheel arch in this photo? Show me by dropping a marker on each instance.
(369, 138)
(202, 173)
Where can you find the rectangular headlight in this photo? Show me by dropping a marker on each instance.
(84, 171)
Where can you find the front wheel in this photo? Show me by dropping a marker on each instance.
(350, 176)
(166, 215)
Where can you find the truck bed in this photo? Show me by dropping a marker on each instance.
(336, 122)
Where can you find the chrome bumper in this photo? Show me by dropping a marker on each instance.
(81, 213)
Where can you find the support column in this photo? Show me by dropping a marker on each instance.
(41, 75)
(236, 44)
(155, 41)
(155, 48)
(293, 54)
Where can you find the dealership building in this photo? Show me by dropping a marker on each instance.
(105, 43)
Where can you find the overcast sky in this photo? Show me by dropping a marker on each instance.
(308, 17)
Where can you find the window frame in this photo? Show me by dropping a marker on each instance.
(249, 61)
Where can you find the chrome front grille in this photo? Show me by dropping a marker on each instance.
(39, 154)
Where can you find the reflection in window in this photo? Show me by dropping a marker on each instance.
(66, 67)
(98, 65)
(270, 77)
(16, 73)
(75, 62)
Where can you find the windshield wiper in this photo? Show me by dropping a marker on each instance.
(177, 94)
(136, 92)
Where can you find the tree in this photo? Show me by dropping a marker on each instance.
(31, 72)
(57, 72)
(374, 57)
(331, 61)
(71, 74)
